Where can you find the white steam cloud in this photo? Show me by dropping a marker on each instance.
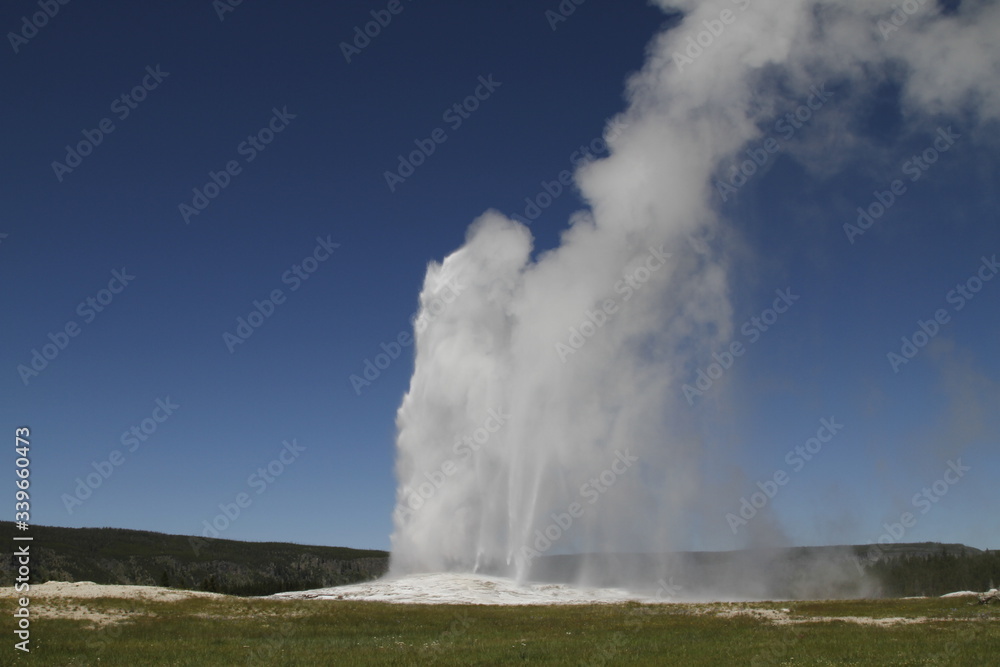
(545, 414)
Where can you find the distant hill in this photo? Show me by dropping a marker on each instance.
(891, 570)
(119, 556)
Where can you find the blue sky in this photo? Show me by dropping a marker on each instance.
(320, 181)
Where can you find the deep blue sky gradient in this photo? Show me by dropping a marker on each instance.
(322, 176)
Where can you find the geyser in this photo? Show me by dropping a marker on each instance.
(545, 414)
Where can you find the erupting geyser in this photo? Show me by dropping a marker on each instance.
(545, 414)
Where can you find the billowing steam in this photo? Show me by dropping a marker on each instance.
(545, 414)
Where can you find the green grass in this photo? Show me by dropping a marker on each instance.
(237, 631)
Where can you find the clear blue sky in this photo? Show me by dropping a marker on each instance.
(321, 181)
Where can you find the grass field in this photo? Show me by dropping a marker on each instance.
(236, 631)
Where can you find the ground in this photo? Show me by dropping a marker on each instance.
(87, 624)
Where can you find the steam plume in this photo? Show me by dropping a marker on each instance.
(533, 376)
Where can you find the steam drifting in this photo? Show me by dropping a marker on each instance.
(545, 415)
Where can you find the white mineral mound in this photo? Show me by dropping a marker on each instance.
(452, 588)
(960, 594)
